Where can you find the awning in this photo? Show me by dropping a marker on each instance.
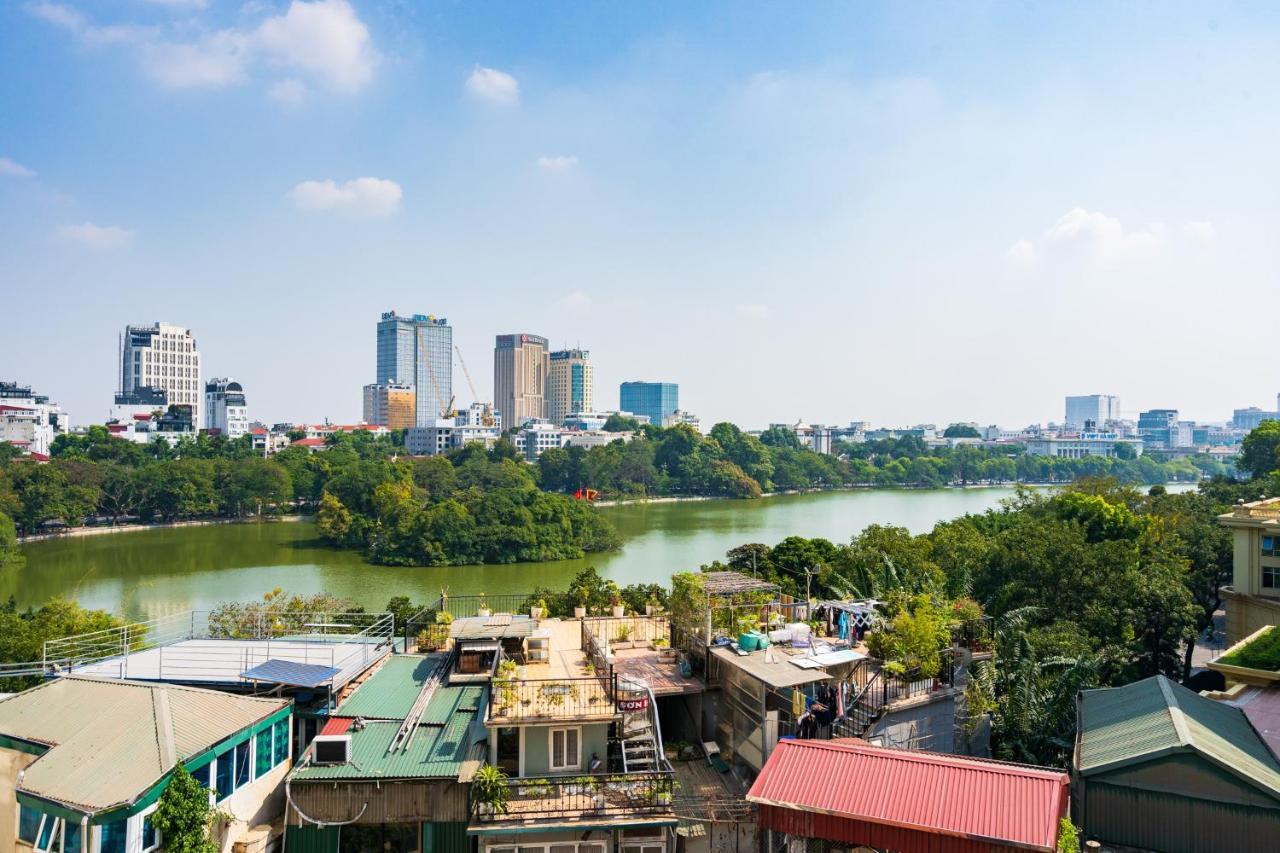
(291, 673)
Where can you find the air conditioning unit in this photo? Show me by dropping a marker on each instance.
(331, 749)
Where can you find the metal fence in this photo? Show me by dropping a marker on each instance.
(515, 700)
(425, 622)
(335, 639)
(569, 797)
(634, 629)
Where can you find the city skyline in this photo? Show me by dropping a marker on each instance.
(867, 213)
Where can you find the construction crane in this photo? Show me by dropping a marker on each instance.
(447, 411)
(486, 417)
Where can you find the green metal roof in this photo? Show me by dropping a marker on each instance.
(1154, 717)
(443, 743)
(390, 692)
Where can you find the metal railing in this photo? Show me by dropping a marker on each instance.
(586, 797)
(459, 607)
(335, 639)
(632, 629)
(514, 700)
(973, 634)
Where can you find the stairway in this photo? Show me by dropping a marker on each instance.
(641, 738)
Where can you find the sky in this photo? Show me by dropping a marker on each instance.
(901, 213)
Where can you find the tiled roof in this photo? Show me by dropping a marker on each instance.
(112, 740)
(1154, 717)
(850, 791)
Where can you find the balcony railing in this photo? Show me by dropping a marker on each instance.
(522, 701)
(582, 797)
(435, 636)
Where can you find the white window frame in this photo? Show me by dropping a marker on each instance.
(142, 816)
(551, 748)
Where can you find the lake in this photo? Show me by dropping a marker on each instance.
(144, 574)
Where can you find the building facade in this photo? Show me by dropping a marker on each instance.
(1095, 408)
(390, 404)
(1253, 599)
(521, 363)
(225, 409)
(1106, 444)
(1158, 428)
(657, 401)
(570, 384)
(418, 351)
(448, 434)
(28, 420)
(163, 356)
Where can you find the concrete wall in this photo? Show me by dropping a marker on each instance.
(12, 762)
(928, 723)
(535, 748)
(259, 802)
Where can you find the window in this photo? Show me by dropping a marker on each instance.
(1271, 546)
(71, 837)
(111, 837)
(1271, 577)
(262, 757)
(565, 749)
(281, 744)
(225, 774)
(242, 764)
(202, 774)
(28, 823)
(150, 835)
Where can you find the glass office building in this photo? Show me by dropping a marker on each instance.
(657, 400)
(418, 350)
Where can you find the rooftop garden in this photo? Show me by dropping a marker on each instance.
(1262, 652)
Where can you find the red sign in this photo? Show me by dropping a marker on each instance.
(631, 706)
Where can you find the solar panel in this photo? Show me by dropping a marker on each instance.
(291, 673)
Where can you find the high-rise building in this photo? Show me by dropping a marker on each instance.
(225, 409)
(29, 421)
(418, 350)
(163, 356)
(570, 385)
(391, 404)
(520, 365)
(1095, 408)
(1158, 428)
(658, 401)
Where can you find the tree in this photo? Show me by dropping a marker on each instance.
(1258, 451)
(961, 431)
(183, 815)
(333, 520)
(780, 436)
(620, 423)
(10, 554)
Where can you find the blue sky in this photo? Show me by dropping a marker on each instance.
(893, 212)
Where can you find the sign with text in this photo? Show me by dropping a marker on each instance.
(634, 705)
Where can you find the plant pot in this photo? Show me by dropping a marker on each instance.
(618, 611)
(485, 808)
(579, 613)
(648, 610)
(535, 612)
(483, 611)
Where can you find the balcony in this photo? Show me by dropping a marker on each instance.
(601, 796)
(515, 701)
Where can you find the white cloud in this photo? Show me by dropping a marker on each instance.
(288, 92)
(557, 164)
(576, 301)
(324, 40)
(11, 169)
(493, 85)
(1094, 236)
(95, 236)
(359, 197)
(752, 311)
(180, 4)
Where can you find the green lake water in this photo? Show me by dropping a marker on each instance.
(144, 574)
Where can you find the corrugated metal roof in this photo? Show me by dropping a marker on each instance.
(291, 673)
(440, 747)
(1154, 717)
(110, 741)
(492, 627)
(920, 791)
(389, 693)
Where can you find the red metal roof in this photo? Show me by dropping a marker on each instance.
(310, 442)
(337, 726)
(856, 793)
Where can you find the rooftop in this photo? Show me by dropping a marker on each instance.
(110, 741)
(1265, 511)
(731, 583)
(926, 792)
(1148, 719)
(773, 666)
(389, 693)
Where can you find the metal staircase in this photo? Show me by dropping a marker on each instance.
(641, 732)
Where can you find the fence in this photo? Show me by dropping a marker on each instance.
(594, 796)
(973, 634)
(516, 700)
(458, 607)
(336, 639)
(638, 629)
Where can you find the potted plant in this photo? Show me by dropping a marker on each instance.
(489, 790)
(580, 609)
(538, 610)
(483, 609)
(615, 600)
(652, 606)
(623, 637)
